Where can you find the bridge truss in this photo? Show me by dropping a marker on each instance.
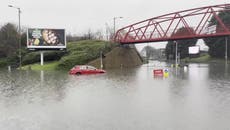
(195, 22)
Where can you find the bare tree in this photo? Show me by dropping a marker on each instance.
(98, 35)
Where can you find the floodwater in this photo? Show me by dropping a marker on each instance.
(193, 98)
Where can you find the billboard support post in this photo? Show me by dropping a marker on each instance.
(42, 57)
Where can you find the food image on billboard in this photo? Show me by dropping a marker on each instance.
(194, 50)
(46, 38)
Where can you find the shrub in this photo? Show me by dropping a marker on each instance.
(68, 62)
(3, 62)
(34, 57)
(82, 52)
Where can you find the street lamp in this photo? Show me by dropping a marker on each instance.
(114, 24)
(176, 55)
(226, 49)
(19, 29)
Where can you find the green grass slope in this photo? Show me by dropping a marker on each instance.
(80, 52)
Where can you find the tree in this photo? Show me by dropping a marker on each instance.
(217, 44)
(8, 40)
(89, 35)
(24, 39)
(98, 35)
(170, 51)
(183, 45)
(150, 53)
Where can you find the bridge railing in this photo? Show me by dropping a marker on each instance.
(167, 27)
(149, 36)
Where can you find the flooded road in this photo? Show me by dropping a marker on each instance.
(195, 98)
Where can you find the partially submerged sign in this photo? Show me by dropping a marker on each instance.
(158, 72)
(44, 38)
(161, 73)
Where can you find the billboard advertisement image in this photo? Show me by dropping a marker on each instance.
(38, 38)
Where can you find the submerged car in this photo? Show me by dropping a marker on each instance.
(85, 69)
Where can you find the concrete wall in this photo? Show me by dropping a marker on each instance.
(119, 57)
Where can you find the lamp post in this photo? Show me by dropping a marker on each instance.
(19, 29)
(176, 55)
(114, 24)
(226, 49)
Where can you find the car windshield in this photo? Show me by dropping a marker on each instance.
(83, 67)
(91, 68)
(87, 67)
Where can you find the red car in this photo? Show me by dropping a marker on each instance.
(85, 69)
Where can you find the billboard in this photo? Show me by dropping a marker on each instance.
(211, 29)
(44, 38)
(194, 50)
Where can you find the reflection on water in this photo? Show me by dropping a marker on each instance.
(29, 86)
(197, 97)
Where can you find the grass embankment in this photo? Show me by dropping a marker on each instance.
(80, 52)
(47, 66)
(201, 59)
(204, 58)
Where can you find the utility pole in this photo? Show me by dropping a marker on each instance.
(226, 48)
(114, 24)
(101, 59)
(107, 31)
(176, 58)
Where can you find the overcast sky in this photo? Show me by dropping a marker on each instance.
(78, 16)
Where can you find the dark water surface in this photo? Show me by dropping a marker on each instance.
(196, 98)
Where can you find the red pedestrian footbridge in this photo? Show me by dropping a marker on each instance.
(195, 23)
